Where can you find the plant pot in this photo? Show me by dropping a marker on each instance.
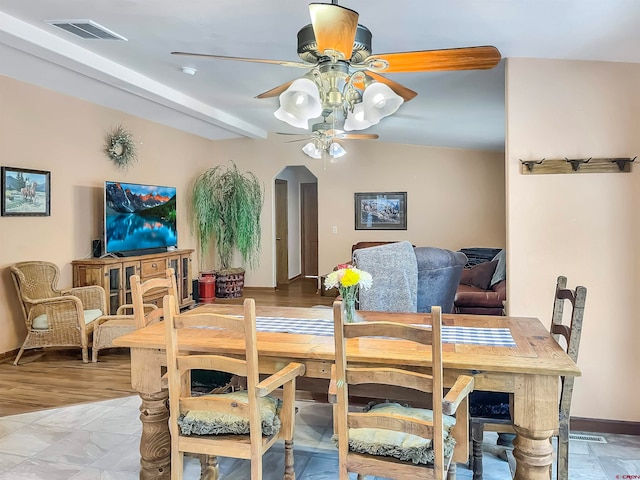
(229, 283)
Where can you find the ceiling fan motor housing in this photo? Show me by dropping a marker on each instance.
(308, 47)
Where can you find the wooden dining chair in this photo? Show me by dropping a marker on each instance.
(571, 334)
(145, 297)
(390, 440)
(239, 424)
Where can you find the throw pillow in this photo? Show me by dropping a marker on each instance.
(501, 269)
(480, 275)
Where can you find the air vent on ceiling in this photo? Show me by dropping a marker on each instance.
(87, 29)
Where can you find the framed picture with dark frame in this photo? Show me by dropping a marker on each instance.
(25, 193)
(381, 211)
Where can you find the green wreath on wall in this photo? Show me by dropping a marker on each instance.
(120, 147)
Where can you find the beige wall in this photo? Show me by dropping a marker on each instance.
(43, 130)
(583, 226)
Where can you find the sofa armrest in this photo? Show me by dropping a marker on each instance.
(468, 296)
(501, 289)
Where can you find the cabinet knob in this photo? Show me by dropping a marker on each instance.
(154, 265)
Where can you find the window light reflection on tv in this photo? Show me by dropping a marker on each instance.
(139, 218)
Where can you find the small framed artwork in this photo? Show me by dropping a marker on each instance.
(381, 211)
(25, 193)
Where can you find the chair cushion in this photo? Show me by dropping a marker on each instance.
(403, 446)
(205, 422)
(41, 322)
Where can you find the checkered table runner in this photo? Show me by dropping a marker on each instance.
(494, 337)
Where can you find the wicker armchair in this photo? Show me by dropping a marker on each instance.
(55, 318)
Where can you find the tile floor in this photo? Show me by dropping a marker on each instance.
(99, 441)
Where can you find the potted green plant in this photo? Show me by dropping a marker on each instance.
(226, 206)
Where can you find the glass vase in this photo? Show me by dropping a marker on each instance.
(349, 314)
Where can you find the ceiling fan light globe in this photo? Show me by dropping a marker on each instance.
(311, 150)
(301, 100)
(336, 150)
(356, 120)
(283, 115)
(380, 101)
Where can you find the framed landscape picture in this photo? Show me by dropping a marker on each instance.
(25, 193)
(381, 211)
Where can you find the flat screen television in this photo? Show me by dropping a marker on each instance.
(138, 218)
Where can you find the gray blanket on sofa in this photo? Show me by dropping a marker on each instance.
(394, 270)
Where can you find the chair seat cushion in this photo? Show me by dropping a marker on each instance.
(206, 422)
(403, 446)
(41, 322)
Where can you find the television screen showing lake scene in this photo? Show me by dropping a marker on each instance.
(139, 217)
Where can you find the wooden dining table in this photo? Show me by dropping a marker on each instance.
(529, 368)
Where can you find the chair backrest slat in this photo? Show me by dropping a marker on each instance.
(413, 380)
(226, 322)
(396, 423)
(156, 287)
(212, 362)
(218, 404)
(413, 333)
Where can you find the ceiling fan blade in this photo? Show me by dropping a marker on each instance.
(305, 139)
(357, 136)
(274, 92)
(406, 93)
(284, 63)
(470, 58)
(334, 27)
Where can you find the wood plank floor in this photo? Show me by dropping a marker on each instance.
(54, 378)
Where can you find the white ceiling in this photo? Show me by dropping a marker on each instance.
(453, 109)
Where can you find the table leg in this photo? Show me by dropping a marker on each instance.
(155, 443)
(533, 453)
(535, 416)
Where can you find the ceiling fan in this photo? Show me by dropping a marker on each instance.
(323, 140)
(344, 75)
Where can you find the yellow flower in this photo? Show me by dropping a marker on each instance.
(350, 277)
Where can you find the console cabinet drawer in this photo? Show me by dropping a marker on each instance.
(152, 268)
